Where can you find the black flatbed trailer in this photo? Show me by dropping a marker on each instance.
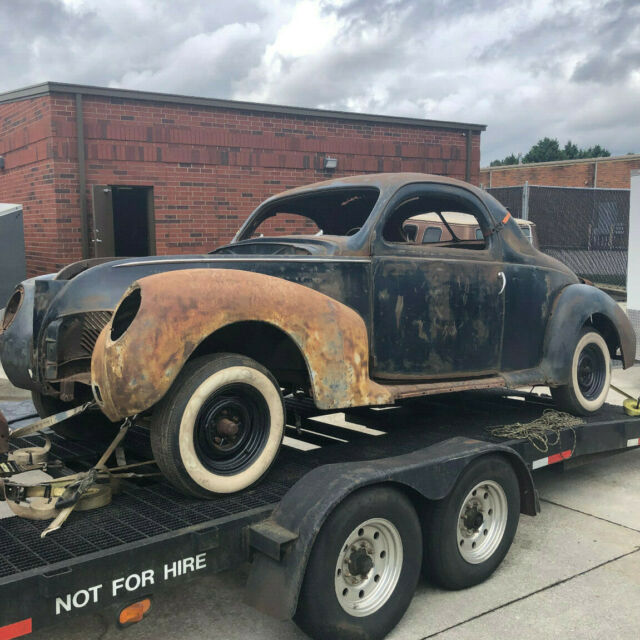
(151, 537)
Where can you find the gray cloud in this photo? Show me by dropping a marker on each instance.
(527, 68)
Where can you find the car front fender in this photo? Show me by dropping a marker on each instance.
(575, 306)
(180, 309)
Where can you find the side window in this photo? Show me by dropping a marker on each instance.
(431, 234)
(449, 219)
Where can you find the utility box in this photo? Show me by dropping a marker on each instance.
(12, 258)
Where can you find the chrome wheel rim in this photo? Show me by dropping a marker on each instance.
(368, 567)
(482, 522)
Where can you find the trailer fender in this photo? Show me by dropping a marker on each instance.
(282, 544)
(576, 305)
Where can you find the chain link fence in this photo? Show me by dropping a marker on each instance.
(587, 229)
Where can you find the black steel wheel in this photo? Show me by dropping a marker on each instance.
(219, 427)
(468, 533)
(590, 376)
(231, 428)
(363, 568)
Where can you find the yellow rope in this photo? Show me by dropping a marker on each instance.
(542, 432)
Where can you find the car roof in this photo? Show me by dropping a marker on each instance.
(381, 181)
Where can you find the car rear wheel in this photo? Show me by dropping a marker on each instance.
(590, 376)
(219, 427)
(89, 425)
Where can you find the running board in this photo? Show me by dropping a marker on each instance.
(401, 391)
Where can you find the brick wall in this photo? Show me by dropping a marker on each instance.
(612, 173)
(209, 166)
(28, 178)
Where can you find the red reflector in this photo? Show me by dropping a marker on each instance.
(134, 612)
(559, 457)
(15, 630)
(506, 218)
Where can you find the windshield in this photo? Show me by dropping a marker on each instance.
(337, 212)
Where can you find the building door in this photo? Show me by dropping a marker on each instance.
(123, 221)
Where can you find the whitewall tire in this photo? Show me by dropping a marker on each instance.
(220, 426)
(590, 376)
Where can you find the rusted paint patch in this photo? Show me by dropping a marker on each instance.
(179, 309)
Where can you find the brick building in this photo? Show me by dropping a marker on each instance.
(602, 173)
(116, 172)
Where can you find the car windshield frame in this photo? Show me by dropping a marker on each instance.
(313, 206)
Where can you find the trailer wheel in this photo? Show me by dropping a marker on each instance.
(469, 532)
(363, 567)
(89, 425)
(220, 426)
(590, 376)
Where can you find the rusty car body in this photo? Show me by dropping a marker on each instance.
(348, 310)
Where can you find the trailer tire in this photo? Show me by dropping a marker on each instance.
(363, 568)
(219, 427)
(89, 425)
(590, 376)
(468, 533)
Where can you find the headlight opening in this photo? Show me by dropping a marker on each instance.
(12, 308)
(125, 314)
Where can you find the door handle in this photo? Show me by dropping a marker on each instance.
(504, 281)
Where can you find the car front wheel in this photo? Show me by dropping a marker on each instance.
(219, 427)
(590, 376)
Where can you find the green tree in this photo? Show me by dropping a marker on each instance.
(594, 152)
(510, 159)
(548, 150)
(570, 151)
(544, 150)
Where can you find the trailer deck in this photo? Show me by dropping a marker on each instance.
(151, 528)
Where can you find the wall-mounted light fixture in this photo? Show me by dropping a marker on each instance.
(330, 163)
(1, 163)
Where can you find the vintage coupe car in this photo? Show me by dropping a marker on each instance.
(321, 292)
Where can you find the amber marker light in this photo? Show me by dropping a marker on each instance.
(134, 612)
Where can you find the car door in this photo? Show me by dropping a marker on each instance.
(437, 310)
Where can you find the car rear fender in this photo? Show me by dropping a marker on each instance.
(576, 306)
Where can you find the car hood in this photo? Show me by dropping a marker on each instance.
(99, 285)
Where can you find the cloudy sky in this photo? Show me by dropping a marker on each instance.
(526, 68)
